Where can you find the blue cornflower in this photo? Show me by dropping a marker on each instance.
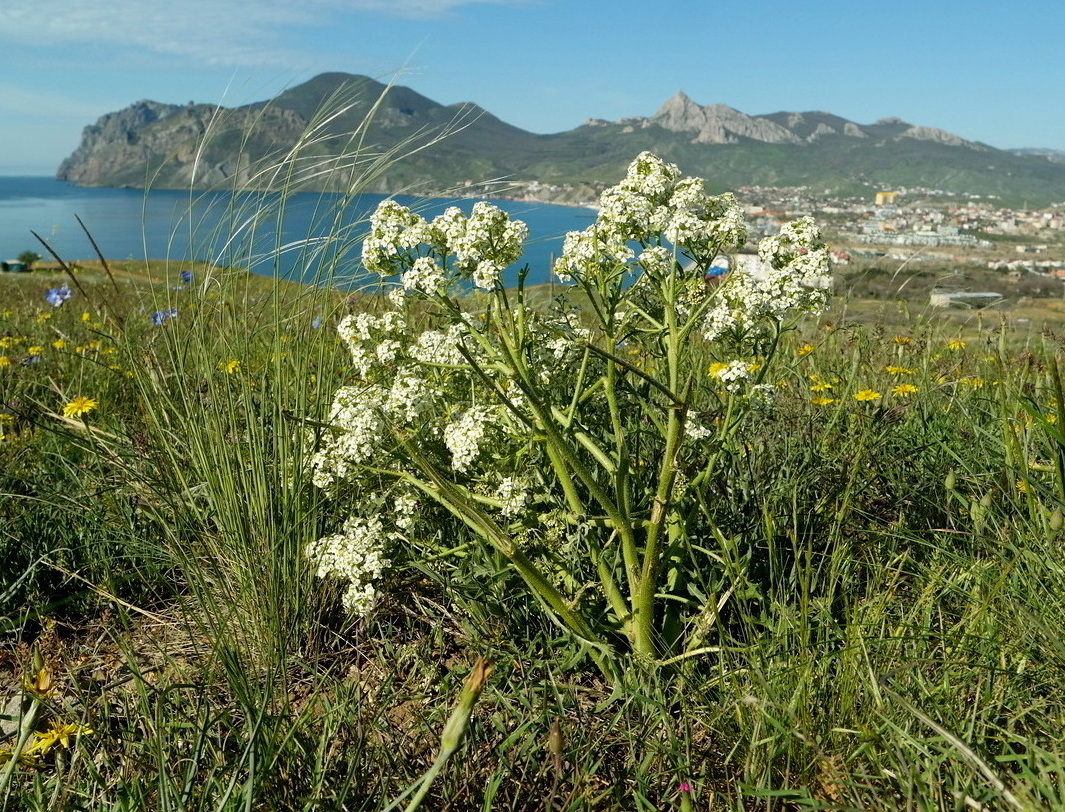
(56, 296)
(316, 323)
(159, 317)
(186, 277)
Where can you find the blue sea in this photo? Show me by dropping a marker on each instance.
(308, 237)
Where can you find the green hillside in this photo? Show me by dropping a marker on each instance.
(324, 121)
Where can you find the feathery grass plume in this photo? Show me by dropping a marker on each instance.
(219, 453)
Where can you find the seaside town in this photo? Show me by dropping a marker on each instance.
(933, 246)
(915, 244)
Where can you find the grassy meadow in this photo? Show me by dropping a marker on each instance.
(883, 628)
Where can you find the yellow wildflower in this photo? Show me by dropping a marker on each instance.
(804, 350)
(5, 361)
(79, 406)
(230, 367)
(955, 345)
(867, 394)
(823, 401)
(904, 389)
(820, 387)
(86, 316)
(59, 343)
(57, 733)
(902, 341)
(43, 317)
(893, 370)
(41, 683)
(36, 349)
(717, 368)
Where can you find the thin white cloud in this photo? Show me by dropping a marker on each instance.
(19, 102)
(214, 32)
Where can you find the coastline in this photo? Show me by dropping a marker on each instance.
(299, 236)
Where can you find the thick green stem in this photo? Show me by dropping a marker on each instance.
(643, 601)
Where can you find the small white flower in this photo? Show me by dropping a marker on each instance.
(425, 276)
(356, 554)
(513, 494)
(463, 437)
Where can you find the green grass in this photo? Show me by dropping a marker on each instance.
(888, 607)
(883, 591)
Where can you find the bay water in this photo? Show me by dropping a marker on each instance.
(307, 237)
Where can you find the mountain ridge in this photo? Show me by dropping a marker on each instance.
(202, 145)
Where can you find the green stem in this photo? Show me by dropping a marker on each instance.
(647, 587)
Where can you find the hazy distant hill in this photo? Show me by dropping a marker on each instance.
(1056, 155)
(163, 145)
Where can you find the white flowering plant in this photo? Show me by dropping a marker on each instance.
(577, 441)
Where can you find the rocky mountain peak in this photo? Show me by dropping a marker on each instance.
(717, 123)
(679, 114)
(204, 145)
(940, 137)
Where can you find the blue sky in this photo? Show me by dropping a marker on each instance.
(990, 72)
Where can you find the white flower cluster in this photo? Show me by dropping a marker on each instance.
(795, 278)
(762, 395)
(697, 432)
(412, 382)
(372, 339)
(513, 493)
(585, 252)
(425, 275)
(653, 201)
(356, 555)
(393, 229)
(733, 374)
(479, 246)
(405, 512)
(356, 424)
(464, 436)
(489, 242)
(441, 347)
